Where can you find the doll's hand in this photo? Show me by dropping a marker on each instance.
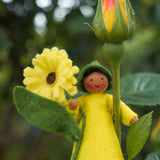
(134, 120)
(73, 105)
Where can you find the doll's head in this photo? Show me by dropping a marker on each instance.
(95, 81)
(94, 78)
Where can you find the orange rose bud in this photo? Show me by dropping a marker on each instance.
(114, 20)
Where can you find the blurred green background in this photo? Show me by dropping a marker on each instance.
(28, 26)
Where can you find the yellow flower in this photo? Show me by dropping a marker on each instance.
(52, 75)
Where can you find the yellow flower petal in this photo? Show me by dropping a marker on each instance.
(61, 67)
(65, 73)
(68, 86)
(62, 97)
(34, 87)
(69, 63)
(74, 80)
(31, 80)
(75, 69)
(69, 75)
(63, 54)
(56, 92)
(46, 51)
(46, 92)
(36, 91)
(73, 91)
(29, 72)
(54, 50)
(51, 75)
(39, 63)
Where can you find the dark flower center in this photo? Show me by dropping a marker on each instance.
(51, 78)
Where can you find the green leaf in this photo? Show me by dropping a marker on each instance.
(46, 114)
(153, 156)
(141, 89)
(138, 135)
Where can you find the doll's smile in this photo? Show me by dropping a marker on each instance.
(97, 86)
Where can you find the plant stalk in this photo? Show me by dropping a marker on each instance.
(116, 99)
(114, 53)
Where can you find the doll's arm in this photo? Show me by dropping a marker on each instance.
(128, 116)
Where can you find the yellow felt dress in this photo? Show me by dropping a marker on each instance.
(99, 138)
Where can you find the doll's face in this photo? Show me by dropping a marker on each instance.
(96, 82)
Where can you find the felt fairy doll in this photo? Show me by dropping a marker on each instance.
(44, 104)
(99, 138)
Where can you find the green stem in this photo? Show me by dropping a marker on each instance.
(116, 99)
(114, 53)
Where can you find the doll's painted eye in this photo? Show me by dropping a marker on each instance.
(91, 79)
(102, 78)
